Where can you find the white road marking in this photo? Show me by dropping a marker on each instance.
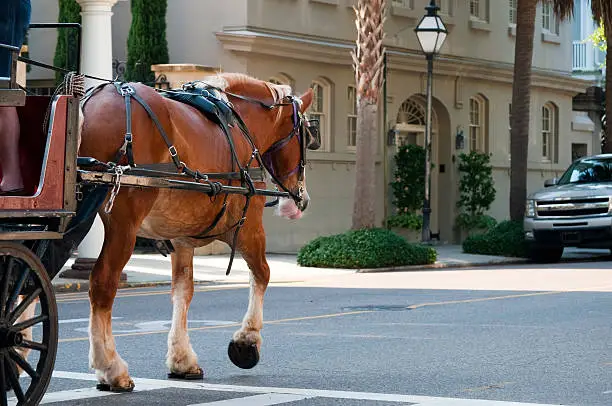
(83, 320)
(67, 395)
(143, 384)
(268, 399)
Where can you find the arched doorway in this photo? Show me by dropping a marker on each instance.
(409, 128)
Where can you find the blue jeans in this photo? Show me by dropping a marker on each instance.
(14, 22)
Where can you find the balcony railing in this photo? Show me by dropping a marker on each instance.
(585, 57)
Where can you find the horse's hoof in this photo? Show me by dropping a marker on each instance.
(243, 356)
(188, 376)
(104, 387)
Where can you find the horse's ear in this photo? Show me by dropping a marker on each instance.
(306, 100)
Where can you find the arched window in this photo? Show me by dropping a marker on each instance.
(479, 132)
(550, 132)
(320, 110)
(282, 79)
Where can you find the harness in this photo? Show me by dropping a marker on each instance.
(223, 114)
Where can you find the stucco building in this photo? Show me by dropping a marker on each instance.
(307, 43)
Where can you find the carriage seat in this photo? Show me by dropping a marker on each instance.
(42, 155)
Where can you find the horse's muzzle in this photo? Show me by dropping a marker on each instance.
(303, 204)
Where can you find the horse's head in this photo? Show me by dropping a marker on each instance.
(276, 119)
(285, 159)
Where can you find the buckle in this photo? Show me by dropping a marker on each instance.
(173, 151)
(126, 89)
(128, 137)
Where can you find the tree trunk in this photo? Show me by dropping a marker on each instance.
(364, 208)
(607, 144)
(368, 61)
(521, 94)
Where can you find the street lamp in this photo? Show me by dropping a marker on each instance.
(431, 34)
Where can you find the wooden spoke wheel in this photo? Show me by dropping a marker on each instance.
(28, 326)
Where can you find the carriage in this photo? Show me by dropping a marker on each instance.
(41, 228)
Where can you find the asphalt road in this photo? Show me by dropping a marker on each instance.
(362, 345)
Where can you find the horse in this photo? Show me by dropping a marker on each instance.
(272, 115)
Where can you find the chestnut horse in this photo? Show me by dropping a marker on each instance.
(178, 215)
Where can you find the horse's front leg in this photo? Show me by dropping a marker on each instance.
(181, 360)
(246, 343)
(120, 229)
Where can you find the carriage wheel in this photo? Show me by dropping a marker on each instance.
(25, 328)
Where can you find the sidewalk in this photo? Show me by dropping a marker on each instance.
(155, 270)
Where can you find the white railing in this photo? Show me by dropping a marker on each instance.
(586, 57)
(580, 56)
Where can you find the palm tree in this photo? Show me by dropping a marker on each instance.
(368, 64)
(521, 94)
(602, 13)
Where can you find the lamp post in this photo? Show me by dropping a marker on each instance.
(431, 34)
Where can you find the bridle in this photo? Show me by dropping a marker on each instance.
(302, 128)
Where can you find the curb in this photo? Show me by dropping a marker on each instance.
(438, 266)
(76, 287)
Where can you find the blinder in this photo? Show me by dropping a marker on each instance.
(311, 133)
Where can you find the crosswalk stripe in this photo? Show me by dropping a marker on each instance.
(143, 384)
(267, 399)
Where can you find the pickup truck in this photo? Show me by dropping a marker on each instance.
(572, 211)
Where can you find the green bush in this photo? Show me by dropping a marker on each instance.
(146, 42)
(66, 55)
(365, 248)
(469, 222)
(410, 221)
(505, 239)
(409, 184)
(477, 191)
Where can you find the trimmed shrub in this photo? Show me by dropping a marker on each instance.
(411, 221)
(146, 42)
(477, 192)
(505, 239)
(365, 248)
(66, 55)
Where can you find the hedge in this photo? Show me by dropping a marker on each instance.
(365, 248)
(505, 239)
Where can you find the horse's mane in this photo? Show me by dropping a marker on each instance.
(226, 80)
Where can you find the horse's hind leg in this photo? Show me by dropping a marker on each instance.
(244, 348)
(181, 360)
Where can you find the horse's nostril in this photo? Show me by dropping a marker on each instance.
(303, 205)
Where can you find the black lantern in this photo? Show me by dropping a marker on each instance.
(431, 31)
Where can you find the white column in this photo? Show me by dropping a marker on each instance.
(96, 42)
(96, 60)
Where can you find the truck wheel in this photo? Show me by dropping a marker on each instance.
(546, 255)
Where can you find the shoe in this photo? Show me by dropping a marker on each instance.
(14, 192)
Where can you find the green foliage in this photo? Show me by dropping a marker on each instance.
(409, 184)
(477, 190)
(66, 48)
(598, 38)
(467, 222)
(146, 43)
(365, 248)
(506, 239)
(411, 221)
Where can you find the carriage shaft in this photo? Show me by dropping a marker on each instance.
(104, 178)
